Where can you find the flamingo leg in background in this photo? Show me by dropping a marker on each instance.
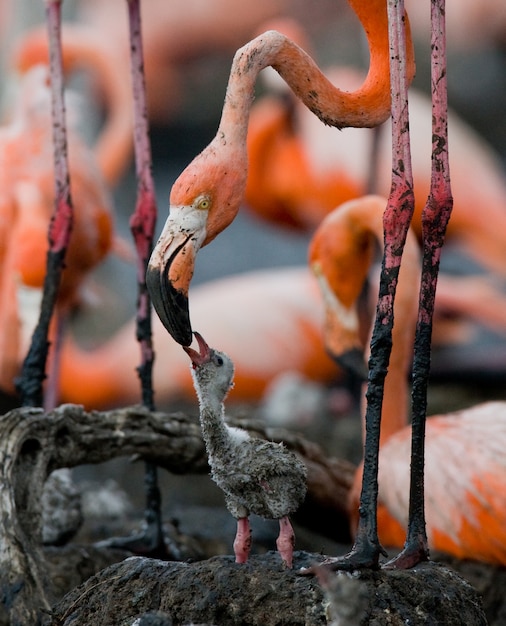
(142, 224)
(435, 217)
(32, 375)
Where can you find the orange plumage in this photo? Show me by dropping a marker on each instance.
(27, 192)
(465, 468)
(299, 170)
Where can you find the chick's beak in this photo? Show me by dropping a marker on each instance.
(168, 277)
(201, 356)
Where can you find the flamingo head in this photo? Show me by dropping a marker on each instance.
(340, 257)
(341, 329)
(213, 371)
(204, 200)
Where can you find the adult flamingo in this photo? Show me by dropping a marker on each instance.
(465, 471)
(207, 195)
(27, 194)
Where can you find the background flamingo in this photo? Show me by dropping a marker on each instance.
(84, 50)
(28, 195)
(464, 469)
(100, 372)
(300, 170)
(176, 36)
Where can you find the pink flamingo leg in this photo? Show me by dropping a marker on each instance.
(150, 541)
(367, 549)
(32, 376)
(286, 541)
(242, 541)
(435, 218)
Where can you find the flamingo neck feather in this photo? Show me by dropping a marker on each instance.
(218, 436)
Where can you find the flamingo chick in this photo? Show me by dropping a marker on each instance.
(257, 476)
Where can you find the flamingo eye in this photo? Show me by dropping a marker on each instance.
(204, 203)
(316, 268)
(219, 360)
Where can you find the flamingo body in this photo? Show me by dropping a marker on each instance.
(464, 482)
(465, 471)
(299, 171)
(27, 194)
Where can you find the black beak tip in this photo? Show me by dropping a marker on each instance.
(352, 361)
(171, 306)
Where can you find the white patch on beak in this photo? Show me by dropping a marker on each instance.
(182, 221)
(347, 316)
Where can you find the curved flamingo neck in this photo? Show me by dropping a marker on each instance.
(367, 106)
(114, 144)
(221, 169)
(215, 432)
(344, 246)
(82, 48)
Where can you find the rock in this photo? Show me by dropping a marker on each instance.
(61, 508)
(429, 594)
(69, 566)
(488, 580)
(156, 618)
(220, 592)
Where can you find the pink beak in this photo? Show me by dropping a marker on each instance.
(198, 358)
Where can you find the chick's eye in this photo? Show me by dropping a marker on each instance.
(219, 360)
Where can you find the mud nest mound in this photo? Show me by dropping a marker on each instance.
(220, 592)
